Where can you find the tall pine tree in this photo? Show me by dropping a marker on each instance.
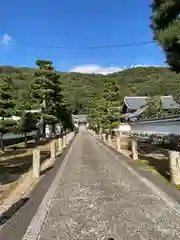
(46, 89)
(166, 29)
(43, 89)
(104, 111)
(27, 124)
(154, 108)
(7, 106)
(111, 95)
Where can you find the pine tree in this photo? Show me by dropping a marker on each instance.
(104, 112)
(166, 29)
(46, 89)
(7, 106)
(154, 108)
(96, 111)
(27, 123)
(111, 95)
(43, 90)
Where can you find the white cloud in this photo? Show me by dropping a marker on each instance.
(6, 39)
(96, 69)
(93, 68)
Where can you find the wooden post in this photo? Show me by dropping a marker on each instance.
(174, 159)
(36, 163)
(118, 143)
(53, 150)
(134, 149)
(109, 140)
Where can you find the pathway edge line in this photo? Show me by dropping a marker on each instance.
(164, 196)
(34, 228)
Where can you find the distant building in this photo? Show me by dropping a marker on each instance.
(15, 118)
(79, 120)
(133, 107)
(33, 111)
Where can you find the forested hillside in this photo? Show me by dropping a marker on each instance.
(80, 88)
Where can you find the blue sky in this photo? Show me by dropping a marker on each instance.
(77, 23)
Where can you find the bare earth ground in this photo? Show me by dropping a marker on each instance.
(98, 197)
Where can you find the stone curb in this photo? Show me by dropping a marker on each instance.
(160, 193)
(33, 231)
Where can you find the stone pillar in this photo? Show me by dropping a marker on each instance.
(60, 144)
(109, 140)
(174, 159)
(134, 149)
(64, 141)
(72, 135)
(100, 134)
(118, 143)
(53, 150)
(104, 137)
(36, 163)
(67, 138)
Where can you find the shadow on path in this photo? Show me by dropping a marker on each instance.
(12, 210)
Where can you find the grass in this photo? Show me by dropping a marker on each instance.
(148, 167)
(15, 163)
(178, 187)
(145, 164)
(142, 163)
(16, 155)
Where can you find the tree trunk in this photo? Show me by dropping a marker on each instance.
(2, 142)
(61, 133)
(38, 135)
(53, 129)
(64, 132)
(25, 139)
(98, 129)
(44, 130)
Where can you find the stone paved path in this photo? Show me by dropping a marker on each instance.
(99, 197)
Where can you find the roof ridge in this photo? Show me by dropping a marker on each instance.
(165, 96)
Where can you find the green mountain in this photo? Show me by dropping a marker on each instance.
(79, 88)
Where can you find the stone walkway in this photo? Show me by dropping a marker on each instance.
(97, 197)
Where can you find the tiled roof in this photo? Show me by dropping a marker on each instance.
(80, 118)
(136, 113)
(135, 103)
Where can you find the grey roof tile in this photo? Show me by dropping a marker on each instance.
(80, 117)
(135, 103)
